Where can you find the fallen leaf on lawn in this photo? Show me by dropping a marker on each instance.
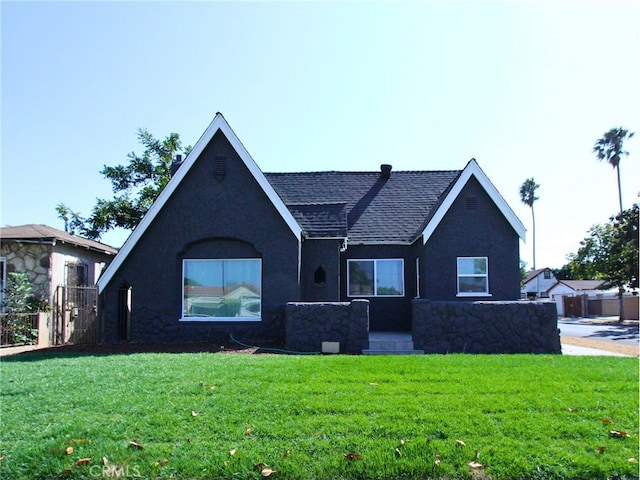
(606, 421)
(105, 462)
(266, 472)
(83, 461)
(475, 464)
(287, 453)
(69, 450)
(248, 431)
(353, 456)
(601, 449)
(437, 462)
(398, 452)
(194, 413)
(633, 460)
(573, 410)
(1, 457)
(374, 384)
(212, 387)
(162, 462)
(619, 434)
(460, 443)
(232, 452)
(135, 445)
(66, 471)
(226, 463)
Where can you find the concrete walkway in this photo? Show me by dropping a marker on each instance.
(574, 350)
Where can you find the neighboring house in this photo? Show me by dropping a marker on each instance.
(538, 282)
(51, 258)
(574, 288)
(226, 246)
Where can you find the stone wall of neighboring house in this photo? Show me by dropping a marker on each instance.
(33, 259)
(485, 327)
(307, 325)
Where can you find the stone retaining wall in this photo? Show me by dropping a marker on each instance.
(485, 327)
(307, 325)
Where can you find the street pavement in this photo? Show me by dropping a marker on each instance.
(605, 330)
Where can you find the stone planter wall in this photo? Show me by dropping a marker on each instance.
(485, 327)
(307, 325)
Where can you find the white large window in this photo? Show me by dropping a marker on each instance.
(375, 278)
(473, 276)
(222, 289)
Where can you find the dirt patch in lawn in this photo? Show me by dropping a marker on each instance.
(607, 346)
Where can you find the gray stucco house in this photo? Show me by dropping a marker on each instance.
(226, 246)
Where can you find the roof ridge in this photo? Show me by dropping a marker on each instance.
(371, 172)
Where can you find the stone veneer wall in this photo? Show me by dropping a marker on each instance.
(33, 259)
(485, 327)
(307, 325)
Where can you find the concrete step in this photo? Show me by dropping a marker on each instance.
(392, 352)
(391, 343)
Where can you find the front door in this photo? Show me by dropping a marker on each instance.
(382, 282)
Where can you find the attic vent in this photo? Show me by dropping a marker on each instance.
(385, 171)
(471, 203)
(219, 167)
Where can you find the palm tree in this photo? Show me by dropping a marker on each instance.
(528, 197)
(610, 148)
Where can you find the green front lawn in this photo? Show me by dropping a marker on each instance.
(208, 416)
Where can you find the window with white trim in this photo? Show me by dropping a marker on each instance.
(473, 276)
(375, 278)
(222, 289)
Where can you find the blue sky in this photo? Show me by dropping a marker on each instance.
(526, 88)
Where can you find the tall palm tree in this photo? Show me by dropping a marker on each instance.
(610, 148)
(528, 197)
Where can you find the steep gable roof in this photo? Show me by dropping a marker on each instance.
(473, 170)
(378, 210)
(44, 234)
(218, 124)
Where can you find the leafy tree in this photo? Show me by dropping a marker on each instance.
(611, 148)
(72, 220)
(135, 185)
(564, 272)
(610, 253)
(523, 271)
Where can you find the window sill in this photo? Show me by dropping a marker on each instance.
(220, 319)
(474, 295)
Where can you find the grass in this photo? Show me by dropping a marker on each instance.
(208, 416)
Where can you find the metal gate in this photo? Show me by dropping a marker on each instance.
(75, 315)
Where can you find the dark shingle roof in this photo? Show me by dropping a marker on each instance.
(327, 220)
(45, 233)
(378, 210)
